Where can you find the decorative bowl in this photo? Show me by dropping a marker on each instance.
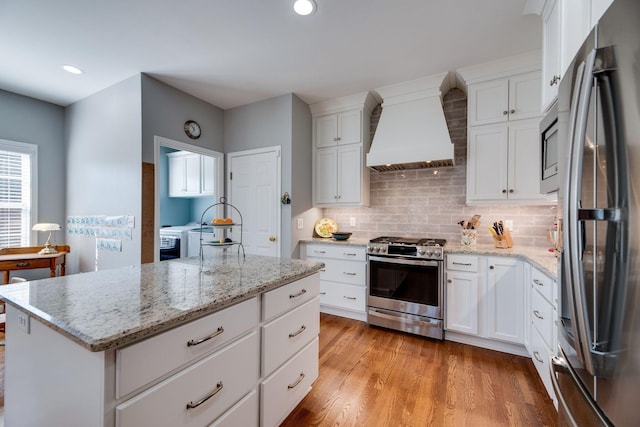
(341, 236)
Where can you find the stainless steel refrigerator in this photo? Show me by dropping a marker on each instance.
(596, 374)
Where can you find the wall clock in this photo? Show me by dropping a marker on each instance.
(192, 129)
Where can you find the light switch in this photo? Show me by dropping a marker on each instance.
(352, 221)
(509, 224)
(300, 223)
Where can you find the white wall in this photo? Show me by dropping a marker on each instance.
(104, 155)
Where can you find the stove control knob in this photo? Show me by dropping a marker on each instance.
(421, 252)
(377, 248)
(371, 249)
(383, 249)
(429, 252)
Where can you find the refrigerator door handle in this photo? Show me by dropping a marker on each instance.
(559, 364)
(580, 312)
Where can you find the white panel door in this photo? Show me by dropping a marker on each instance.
(254, 189)
(326, 176)
(489, 102)
(462, 301)
(349, 173)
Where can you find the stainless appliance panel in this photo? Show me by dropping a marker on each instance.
(599, 130)
(418, 325)
(549, 178)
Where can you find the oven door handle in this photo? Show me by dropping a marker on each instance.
(404, 261)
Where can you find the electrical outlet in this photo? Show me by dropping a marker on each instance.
(23, 322)
(300, 223)
(352, 221)
(509, 224)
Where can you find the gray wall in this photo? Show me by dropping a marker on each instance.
(283, 121)
(103, 134)
(29, 120)
(164, 111)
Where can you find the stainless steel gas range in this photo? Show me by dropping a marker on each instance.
(405, 282)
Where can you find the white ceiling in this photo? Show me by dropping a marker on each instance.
(234, 52)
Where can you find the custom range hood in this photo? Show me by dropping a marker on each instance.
(412, 132)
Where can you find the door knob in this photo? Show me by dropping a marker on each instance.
(272, 238)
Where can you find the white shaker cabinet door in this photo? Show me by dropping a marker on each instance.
(462, 313)
(505, 300)
(488, 163)
(349, 172)
(326, 176)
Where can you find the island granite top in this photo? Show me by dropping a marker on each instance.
(112, 308)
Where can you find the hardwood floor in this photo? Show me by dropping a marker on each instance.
(374, 377)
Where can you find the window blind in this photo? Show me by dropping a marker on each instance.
(15, 198)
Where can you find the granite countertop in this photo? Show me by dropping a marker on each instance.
(540, 258)
(112, 308)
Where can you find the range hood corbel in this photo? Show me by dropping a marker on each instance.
(412, 132)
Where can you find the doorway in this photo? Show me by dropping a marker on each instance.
(254, 188)
(182, 210)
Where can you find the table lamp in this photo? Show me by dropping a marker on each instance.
(50, 227)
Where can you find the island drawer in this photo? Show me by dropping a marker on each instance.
(352, 253)
(145, 361)
(349, 297)
(285, 298)
(210, 387)
(336, 270)
(288, 385)
(284, 336)
(462, 263)
(243, 414)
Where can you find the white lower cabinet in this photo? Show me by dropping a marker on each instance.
(343, 281)
(289, 349)
(485, 301)
(198, 394)
(543, 326)
(463, 294)
(505, 300)
(287, 386)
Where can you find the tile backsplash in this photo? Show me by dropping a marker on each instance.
(430, 203)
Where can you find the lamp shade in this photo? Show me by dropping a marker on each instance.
(46, 226)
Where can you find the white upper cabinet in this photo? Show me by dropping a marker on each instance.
(501, 100)
(341, 139)
(550, 52)
(337, 129)
(191, 174)
(565, 26)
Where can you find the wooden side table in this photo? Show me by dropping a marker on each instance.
(27, 258)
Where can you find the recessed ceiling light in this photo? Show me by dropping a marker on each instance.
(71, 69)
(304, 7)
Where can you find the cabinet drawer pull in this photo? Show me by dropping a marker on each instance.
(217, 390)
(538, 282)
(302, 292)
(323, 293)
(298, 332)
(537, 356)
(323, 269)
(467, 264)
(351, 298)
(298, 381)
(350, 254)
(537, 314)
(319, 252)
(346, 273)
(192, 343)
(22, 264)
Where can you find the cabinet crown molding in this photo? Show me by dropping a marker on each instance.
(501, 68)
(366, 100)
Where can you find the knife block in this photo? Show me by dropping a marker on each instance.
(504, 241)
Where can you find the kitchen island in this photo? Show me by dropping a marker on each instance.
(163, 344)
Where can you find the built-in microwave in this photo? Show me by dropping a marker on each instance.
(549, 178)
